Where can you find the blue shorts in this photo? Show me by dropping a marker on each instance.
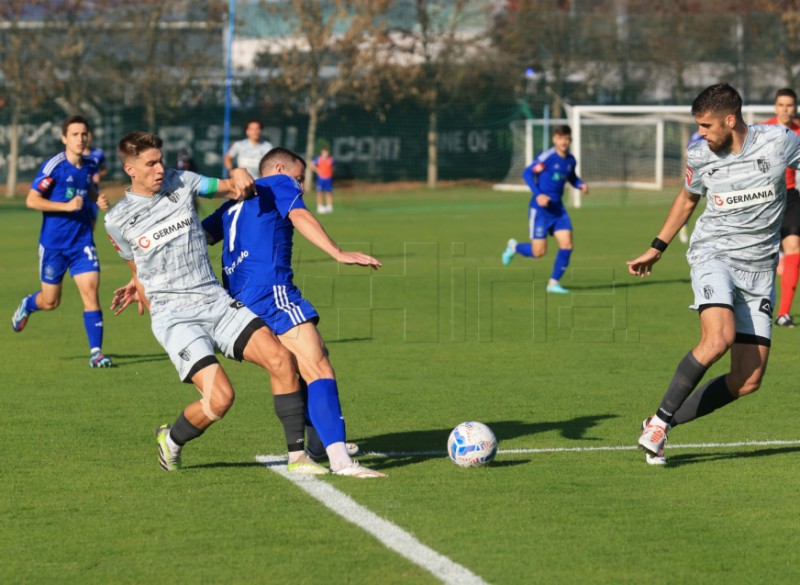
(542, 222)
(325, 185)
(53, 264)
(281, 306)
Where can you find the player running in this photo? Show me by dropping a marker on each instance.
(156, 230)
(62, 191)
(257, 270)
(546, 177)
(785, 111)
(740, 169)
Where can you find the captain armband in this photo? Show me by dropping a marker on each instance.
(208, 187)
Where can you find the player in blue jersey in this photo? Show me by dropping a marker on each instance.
(257, 270)
(61, 190)
(99, 158)
(546, 177)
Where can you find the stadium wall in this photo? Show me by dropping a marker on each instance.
(471, 146)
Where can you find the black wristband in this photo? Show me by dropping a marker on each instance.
(659, 245)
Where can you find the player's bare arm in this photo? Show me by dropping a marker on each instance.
(312, 230)
(37, 201)
(133, 292)
(238, 187)
(680, 212)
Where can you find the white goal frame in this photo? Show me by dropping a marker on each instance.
(656, 116)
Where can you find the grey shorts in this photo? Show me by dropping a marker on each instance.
(191, 333)
(751, 295)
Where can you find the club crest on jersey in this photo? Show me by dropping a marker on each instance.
(763, 164)
(745, 197)
(172, 196)
(164, 232)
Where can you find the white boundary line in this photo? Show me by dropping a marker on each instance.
(391, 454)
(400, 541)
(391, 535)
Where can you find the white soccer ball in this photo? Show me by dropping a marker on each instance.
(471, 444)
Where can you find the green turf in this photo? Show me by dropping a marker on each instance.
(441, 334)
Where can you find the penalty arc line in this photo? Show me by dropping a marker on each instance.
(389, 534)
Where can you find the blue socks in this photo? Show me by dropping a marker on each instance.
(525, 249)
(561, 263)
(30, 302)
(326, 411)
(93, 323)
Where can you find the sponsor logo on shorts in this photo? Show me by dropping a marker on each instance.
(766, 307)
(708, 291)
(165, 232)
(185, 354)
(763, 164)
(49, 272)
(745, 197)
(237, 305)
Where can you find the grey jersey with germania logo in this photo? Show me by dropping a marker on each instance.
(745, 198)
(163, 236)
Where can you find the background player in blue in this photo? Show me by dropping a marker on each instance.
(99, 158)
(257, 256)
(60, 191)
(546, 177)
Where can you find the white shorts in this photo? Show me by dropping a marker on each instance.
(751, 295)
(191, 333)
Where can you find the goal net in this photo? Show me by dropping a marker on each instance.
(623, 147)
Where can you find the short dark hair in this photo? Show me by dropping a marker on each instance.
(719, 98)
(74, 119)
(254, 121)
(786, 92)
(279, 155)
(134, 143)
(562, 130)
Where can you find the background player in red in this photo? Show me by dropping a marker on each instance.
(785, 111)
(323, 166)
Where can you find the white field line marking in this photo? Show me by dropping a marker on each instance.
(391, 535)
(391, 454)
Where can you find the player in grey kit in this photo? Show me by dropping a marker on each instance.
(741, 171)
(156, 230)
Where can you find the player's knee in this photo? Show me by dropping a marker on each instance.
(217, 406)
(713, 348)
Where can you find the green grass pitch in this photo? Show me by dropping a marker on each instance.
(442, 334)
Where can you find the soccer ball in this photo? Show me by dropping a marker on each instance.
(471, 444)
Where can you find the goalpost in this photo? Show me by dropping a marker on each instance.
(631, 147)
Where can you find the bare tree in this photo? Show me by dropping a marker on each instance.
(27, 66)
(323, 55)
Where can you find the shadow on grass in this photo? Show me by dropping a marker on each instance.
(127, 359)
(433, 443)
(223, 465)
(679, 459)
